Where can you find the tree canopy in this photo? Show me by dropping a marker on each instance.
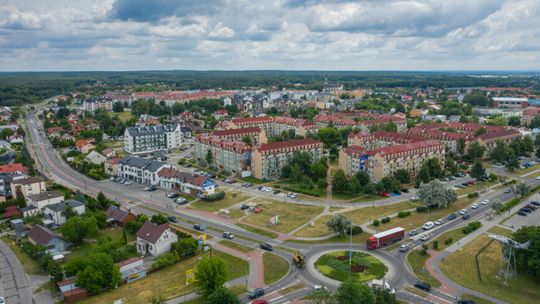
(210, 274)
(435, 194)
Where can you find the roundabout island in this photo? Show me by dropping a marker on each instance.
(363, 266)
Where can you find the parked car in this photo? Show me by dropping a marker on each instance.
(199, 227)
(428, 225)
(396, 193)
(537, 204)
(265, 246)
(424, 237)
(319, 287)
(413, 232)
(277, 191)
(474, 206)
(2, 301)
(292, 195)
(522, 213)
(127, 183)
(533, 208)
(414, 199)
(466, 216)
(465, 301)
(463, 212)
(244, 207)
(507, 191)
(181, 201)
(404, 247)
(405, 190)
(439, 222)
(172, 219)
(259, 301)
(228, 235)
(452, 217)
(172, 195)
(525, 209)
(247, 185)
(256, 293)
(485, 202)
(423, 285)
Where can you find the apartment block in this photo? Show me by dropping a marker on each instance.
(268, 160)
(275, 126)
(233, 156)
(142, 140)
(257, 134)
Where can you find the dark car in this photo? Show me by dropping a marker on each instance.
(522, 213)
(244, 207)
(198, 227)
(530, 206)
(525, 209)
(172, 195)
(228, 235)
(423, 285)
(277, 191)
(507, 191)
(265, 246)
(150, 188)
(173, 219)
(451, 217)
(465, 301)
(466, 216)
(257, 292)
(405, 190)
(535, 203)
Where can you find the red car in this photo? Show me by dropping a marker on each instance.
(259, 302)
(385, 194)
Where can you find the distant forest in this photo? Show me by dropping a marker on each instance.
(26, 87)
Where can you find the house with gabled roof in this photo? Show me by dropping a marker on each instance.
(155, 239)
(117, 216)
(42, 236)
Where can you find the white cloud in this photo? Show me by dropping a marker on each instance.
(221, 31)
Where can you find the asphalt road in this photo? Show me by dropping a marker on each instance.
(15, 287)
(54, 167)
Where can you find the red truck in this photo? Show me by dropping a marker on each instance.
(384, 238)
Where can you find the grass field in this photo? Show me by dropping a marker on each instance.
(418, 219)
(173, 286)
(30, 266)
(455, 235)
(527, 170)
(290, 216)
(476, 299)
(417, 261)
(523, 289)
(263, 232)
(114, 233)
(368, 214)
(359, 238)
(500, 231)
(275, 267)
(236, 246)
(124, 116)
(365, 267)
(318, 229)
(237, 290)
(231, 198)
(478, 186)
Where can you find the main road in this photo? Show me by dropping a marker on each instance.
(53, 166)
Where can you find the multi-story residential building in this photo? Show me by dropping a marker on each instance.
(55, 212)
(232, 156)
(140, 170)
(386, 161)
(528, 116)
(268, 160)
(363, 121)
(93, 105)
(510, 102)
(266, 123)
(257, 134)
(275, 126)
(141, 140)
(488, 140)
(27, 186)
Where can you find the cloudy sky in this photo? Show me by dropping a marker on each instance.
(269, 34)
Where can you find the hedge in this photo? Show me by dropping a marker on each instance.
(376, 223)
(385, 220)
(473, 194)
(403, 214)
(214, 197)
(421, 209)
(356, 230)
(471, 227)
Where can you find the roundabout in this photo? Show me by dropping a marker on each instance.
(363, 266)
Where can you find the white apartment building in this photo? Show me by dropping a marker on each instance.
(141, 140)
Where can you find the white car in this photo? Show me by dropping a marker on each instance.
(462, 212)
(319, 287)
(474, 206)
(439, 222)
(2, 301)
(538, 177)
(424, 237)
(428, 225)
(485, 202)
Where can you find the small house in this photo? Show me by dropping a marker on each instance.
(42, 236)
(46, 198)
(55, 212)
(155, 239)
(117, 216)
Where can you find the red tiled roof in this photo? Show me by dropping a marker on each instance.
(114, 160)
(151, 232)
(116, 214)
(263, 119)
(13, 168)
(504, 133)
(288, 144)
(237, 131)
(408, 147)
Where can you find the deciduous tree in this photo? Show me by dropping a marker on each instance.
(435, 194)
(210, 274)
(340, 225)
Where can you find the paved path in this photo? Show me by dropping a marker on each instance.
(14, 287)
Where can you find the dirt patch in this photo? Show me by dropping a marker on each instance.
(342, 257)
(358, 268)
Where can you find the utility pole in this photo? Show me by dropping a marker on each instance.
(350, 251)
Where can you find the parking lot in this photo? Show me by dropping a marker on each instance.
(532, 219)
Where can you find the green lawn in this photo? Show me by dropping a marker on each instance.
(169, 282)
(275, 267)
(124, 116)
(236, 246)
(364, 267)
(522, 289)
(527, 170)
(455, 235)
(356, 239)
(477, 187)
(256, 230)
(318, 229)
(500, 231)
(290, 216)
(368, 214)
(475, 299)
(115, 234)
(231, 198)
(417, 261)
(30, 266)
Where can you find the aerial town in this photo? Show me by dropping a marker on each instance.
(269, 152)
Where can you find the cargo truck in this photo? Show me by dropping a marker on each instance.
(384, 238)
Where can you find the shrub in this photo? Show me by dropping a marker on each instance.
(165, 260)
(421, 209)
(356, 230)
(424, 249)
(376, 223)
(473, 194)
(471, 227)
(403, 214)
(435, 245)
(214, 197)
(448, 241)
(385, 220)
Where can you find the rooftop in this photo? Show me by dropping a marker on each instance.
(151, 232)
(288, 144)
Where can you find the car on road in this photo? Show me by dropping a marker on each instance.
(181, 201)
(404, 247)
(413, 232)
(2, 301)
(173, 195)
(423, 285)
(485, 202)
(522, 213)
(424, 237)
(127, 183)
(112, 179)
(265, 246)
(465, 301)
(256, 293)
(199, 227)
(463, 212)
(428, 225)
(228, 235)
(150, 188)
(414, 199)
(466, 216)
(276, 191)
(172, 219)
(538, 177)
(319, 287)
(452, 217)
(244, 207)
(247, 185)
(474, 206)
(259, 301)
(507, 191)
(525, 209)
(292, 195)
(396, 193)
(439, 222)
